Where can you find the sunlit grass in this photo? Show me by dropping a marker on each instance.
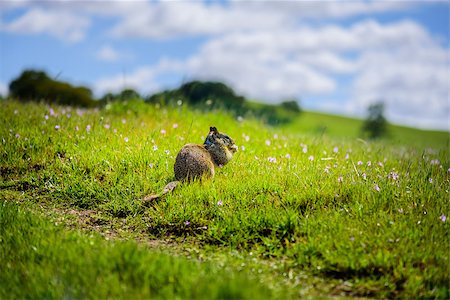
(363, 218)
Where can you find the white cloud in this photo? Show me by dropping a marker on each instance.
(142, 79)
(3, 89)
(174, 19)
(110, 54)
(61, 24)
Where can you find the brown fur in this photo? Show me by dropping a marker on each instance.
(193, 161)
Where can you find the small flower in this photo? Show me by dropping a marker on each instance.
(335, 149)
(288, 156)
(175, 125)
(359, 163)
(430, 180)
(220, 166)
(369, 163)
(364, 176)
(167, 152)
(340, 179)
(246, 138)
(256, 157)
(400, 210)
(448, 171)
(393, 176)
(125, 139)
(187, 223)
(443, 218)
(272, 159)
(46, 117)
(311, 158)
(57, 127)
(380, 164)
(268, 142)
(52, 112)
(275, 136)
(124, 121)
(377, 188)
(305, 149)
(179, 102)
(219, 202)
(163, 131)
(347, 156)
(435, 162)
(107, 126)
(17, 136)
(88, 128)
(76, 128)
(16, 111)
(242, 148)
(155, 147)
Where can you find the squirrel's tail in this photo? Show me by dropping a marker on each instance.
(167, 189)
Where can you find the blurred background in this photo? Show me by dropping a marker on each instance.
(352, 58)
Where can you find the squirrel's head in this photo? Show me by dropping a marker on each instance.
(217, 142)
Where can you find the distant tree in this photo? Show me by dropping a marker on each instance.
(128, 94)
(291, 105)
(221, 95)
(34, 85)
(375, 126)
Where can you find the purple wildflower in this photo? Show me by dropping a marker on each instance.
(220, 202)
(377, 188)
(155, 147)
(359, 163)
(364, 176)
(57, 127)
(272, 159)
(443, 218)
(393, 176)
(311, 158)
(125, 139)
(88, 128)
(167, 152)
(107, 126)
(288, 156)
(435, 162)
(268, 142)
(17, 135)
(336, 149)
(187, 223)
(340, 179)
(369, 163)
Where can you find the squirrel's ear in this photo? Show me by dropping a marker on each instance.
(213, 130)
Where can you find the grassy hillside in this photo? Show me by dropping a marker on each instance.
(350, 128)
(294, 214)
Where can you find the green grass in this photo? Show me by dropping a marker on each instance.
(299, 213)
(344, 128)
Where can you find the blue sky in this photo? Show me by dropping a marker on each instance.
(337, 57)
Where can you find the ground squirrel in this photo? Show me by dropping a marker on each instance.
(196, 161)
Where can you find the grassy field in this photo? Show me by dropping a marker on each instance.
(303, 210)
